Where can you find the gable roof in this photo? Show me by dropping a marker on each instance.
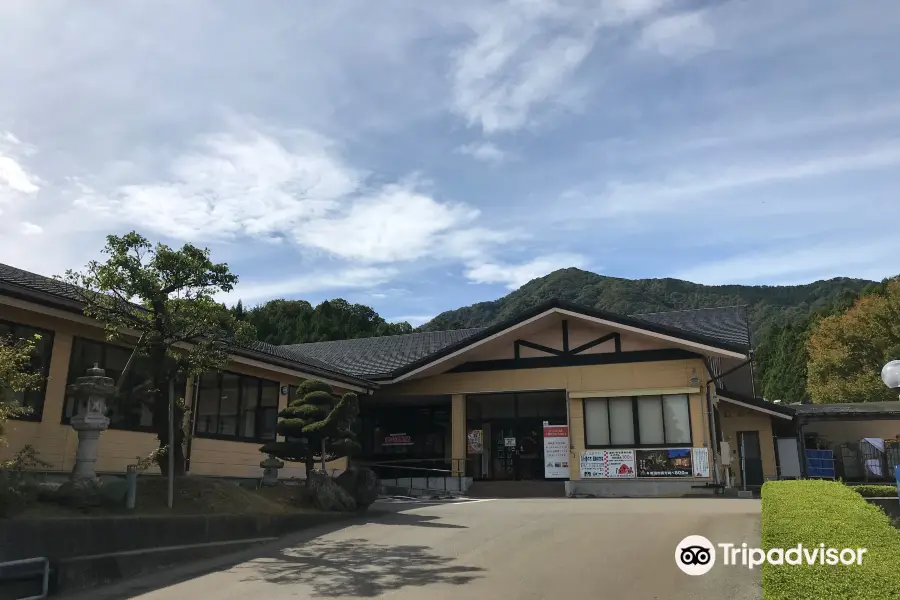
(394, 356)
(850, 410)
(784, 411)
(47, 291)
(727, 323)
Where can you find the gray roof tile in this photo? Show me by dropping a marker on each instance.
(381, 355)
(726, 324)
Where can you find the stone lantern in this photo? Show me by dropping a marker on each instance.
(91, 392)
(270, 472)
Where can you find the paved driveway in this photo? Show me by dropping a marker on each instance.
(489, 549)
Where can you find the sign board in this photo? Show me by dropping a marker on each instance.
(475, 441)
(509, 442)
(701, 462)
(556, 451)
(397, 439)
(670, 462)
(607, 464)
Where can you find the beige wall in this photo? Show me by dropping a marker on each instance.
(626, 377)
(839, 432)
(56, 443)
(735, 419)
(548, 332)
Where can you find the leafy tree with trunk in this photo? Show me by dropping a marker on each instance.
(16, 375)
(165, 296)
(847, 351)
(317, 426)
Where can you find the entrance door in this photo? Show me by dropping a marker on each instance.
(504, 450)
(751, 459)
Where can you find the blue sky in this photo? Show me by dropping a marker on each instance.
(419, 156)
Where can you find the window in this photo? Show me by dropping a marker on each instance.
(237, 407)
(131, 408)
(40, 363)
(638, 421)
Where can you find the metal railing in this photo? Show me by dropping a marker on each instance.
(457, 470)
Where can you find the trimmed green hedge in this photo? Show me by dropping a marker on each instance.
(875, 491)
(815, 512)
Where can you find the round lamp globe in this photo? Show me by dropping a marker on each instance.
(890, 374)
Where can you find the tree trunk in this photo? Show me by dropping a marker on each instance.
(323, 457)
(161, 376)
(310, 467)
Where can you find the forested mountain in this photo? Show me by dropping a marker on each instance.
(297, 321)
(766, 305)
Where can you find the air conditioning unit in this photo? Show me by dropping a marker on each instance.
(725, 451)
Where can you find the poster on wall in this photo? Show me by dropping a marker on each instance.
(701, 462)
(556, 451)
(475, 441)
(397, 439)
(607, 464)
(672, 462)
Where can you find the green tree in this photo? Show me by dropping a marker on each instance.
(166, 296)
(16, 375)
(847, 351)
(781, 362)
(297, 321)
(317, 426)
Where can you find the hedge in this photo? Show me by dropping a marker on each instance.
(815, 512)
(875, 491)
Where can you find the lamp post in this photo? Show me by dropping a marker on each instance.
(890, 375)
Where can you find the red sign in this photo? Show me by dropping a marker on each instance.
(397, 439)
(556, 431)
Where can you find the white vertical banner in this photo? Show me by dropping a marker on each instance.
(556, 451)
(701, 462)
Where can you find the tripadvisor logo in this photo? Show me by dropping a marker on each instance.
(696, 555)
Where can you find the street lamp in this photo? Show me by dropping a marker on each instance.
(890, 375)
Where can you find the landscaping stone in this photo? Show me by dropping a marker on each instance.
(361, 484)
(79, 493)
(113, 489)
(325, 494)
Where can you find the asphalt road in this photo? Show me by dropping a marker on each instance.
(489, 549)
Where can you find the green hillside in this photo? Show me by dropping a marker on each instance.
(766, 304)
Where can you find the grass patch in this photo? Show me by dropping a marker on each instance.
(815, 512)
(193, 496)
(875, 491)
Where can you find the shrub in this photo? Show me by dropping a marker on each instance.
(875, 491)
(816, 512)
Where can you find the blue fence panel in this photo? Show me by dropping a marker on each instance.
(820, 463)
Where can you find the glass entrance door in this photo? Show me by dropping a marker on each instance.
(504, 450)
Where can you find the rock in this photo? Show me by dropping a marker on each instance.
(46, 490)
(362, 484)
(113, 489)
(79, 493)
(325, 494)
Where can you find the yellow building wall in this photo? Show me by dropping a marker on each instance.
(56, 443)
(626, 377)
(735, 419)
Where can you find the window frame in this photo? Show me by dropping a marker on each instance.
(36, 415)
(636, 425)
(104, 345)
(259, 411)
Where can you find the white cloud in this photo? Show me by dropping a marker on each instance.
(848, 258)
(514, 276)
(319, 281)
(31, 229)
(484, 151)
(525, 53)
(682, 34)
(397, 223)
(657, 197)
(414, 320)
(13, 176)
